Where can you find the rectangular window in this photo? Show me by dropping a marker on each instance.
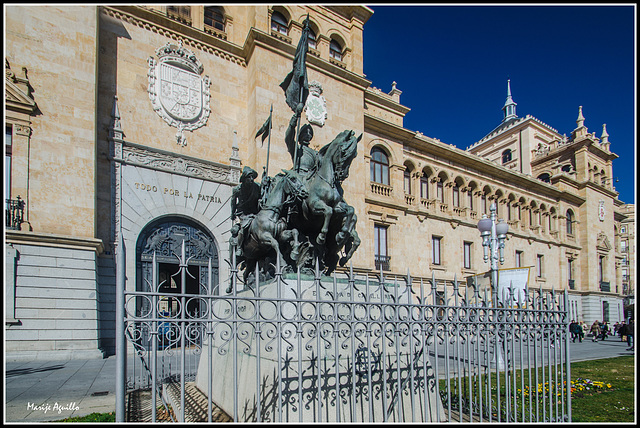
(518, 258)
(467, 255)
(424, 188)
(601, 268)
(484, 204)
(530, 217)
(539, 265)
(519, 213)
(623, 246)
(435, 250)
(456, 196)
(508, 212)
(381, 257)
(570, 269)
(623, 229)
(440, 192)
(470, 194)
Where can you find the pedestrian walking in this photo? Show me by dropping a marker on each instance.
(595, 331)
(576, 331)
(622, 332)
(630, 334)
(604, 330)
(572, 330)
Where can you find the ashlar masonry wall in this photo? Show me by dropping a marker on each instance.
(56, 304)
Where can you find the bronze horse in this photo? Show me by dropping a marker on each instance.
(325, 215)
(269, 229)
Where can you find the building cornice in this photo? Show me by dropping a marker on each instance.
(378, 98)
(53, 240)
(520, 122)
(160, 23)
(593, 186)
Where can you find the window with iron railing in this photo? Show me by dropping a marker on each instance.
(214, 17)
(180, 13)
(14, 213)
(381, 258)
(605, 286)
(572, 284)
(383, 262)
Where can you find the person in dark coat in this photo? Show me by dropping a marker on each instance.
(630, 333)
(576, 331)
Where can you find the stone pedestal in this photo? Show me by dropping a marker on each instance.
(367, 339)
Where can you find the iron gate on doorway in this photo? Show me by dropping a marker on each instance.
(350, 347)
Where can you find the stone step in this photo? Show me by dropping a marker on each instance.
(195, 402)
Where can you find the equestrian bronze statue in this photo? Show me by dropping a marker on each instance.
(299, 215)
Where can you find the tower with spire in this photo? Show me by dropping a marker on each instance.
(509, 108)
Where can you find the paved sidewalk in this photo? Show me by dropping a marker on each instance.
(42, 391)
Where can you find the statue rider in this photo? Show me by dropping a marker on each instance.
(245, 199)
(307, 158)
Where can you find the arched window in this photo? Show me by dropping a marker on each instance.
(570, 220)
(214, 17)
(506, 156)
(566, 168)
(545, 178)
(335, 50)
(312, 39)
(279, 23)
(379, 166)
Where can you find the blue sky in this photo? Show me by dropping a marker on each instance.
(452, 64)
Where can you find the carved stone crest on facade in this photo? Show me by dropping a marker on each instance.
(316, 106)
(178, 92)
(601, 210)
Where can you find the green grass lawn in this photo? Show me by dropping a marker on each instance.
(93, 417)
(602, 391)
(616, 404)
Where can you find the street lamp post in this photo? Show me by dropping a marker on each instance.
(493, 235)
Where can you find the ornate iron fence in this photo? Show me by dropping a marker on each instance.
(353, 347)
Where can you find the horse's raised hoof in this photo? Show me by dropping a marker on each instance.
(294, 255)
(321, 238)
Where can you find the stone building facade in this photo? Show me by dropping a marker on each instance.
(137, 120)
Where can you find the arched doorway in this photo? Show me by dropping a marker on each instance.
(185, 255)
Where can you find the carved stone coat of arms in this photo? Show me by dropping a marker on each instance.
(178, 91)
